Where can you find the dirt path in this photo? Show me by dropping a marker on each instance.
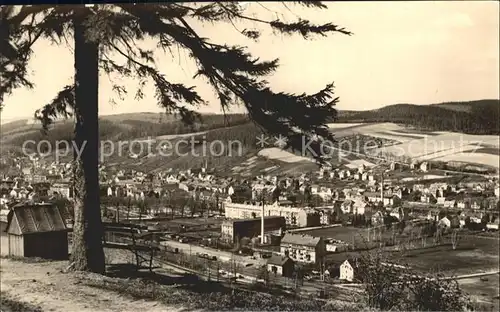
(44, 285)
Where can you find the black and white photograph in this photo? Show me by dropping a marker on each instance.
(249, 156)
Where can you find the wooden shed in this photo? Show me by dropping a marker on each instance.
(37, 230)
(280, 265)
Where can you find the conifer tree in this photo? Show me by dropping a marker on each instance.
(102, 32)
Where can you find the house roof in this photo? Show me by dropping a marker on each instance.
(371, 194)
(352, 259)
(302, 240)
(35, 218)
(278, 260)
(269, 218)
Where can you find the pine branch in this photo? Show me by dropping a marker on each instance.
(304, 27)
(234, 74)
(312, 4)
(61, 105)
(168, 95)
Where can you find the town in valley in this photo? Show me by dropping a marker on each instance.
(250, 156)
(273, 220)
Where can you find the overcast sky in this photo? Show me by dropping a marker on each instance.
(401, 52)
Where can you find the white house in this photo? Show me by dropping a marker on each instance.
(325, 193)
(360, 207)
(346, 271)
(171, 179)
(492, 225)
(424, 166)
(315, 189)
(445, 222)
(184, 187)
(347, 206)
(364, 176)
(461, 204)
(395, 213)
(449, 203)
(13, 193)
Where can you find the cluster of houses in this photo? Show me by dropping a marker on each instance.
(306, 250)
(356, 199)
(320, 198)
(305, 200)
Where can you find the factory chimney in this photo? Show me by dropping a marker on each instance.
(262, 223)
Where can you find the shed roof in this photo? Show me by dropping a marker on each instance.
(302, 240)
(35, 218)
(278, 260)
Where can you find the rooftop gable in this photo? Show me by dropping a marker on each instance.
(37, 218)
(278, 260)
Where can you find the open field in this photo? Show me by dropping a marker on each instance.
(416, 143)
(441, 146)
(415, 132)
(473, 158)
(400, 136)
(343, 125)
(362, 128)
(487, 150)
(421, 145)
(449, 151)
(359, 162)
(282, 155)
(472, 255)
(261, 165)
(483, 291)
(437, 146)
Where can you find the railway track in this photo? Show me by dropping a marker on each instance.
(247, 281)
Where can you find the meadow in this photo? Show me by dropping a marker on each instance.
(421, 145)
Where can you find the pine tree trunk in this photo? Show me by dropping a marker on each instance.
(87, 251)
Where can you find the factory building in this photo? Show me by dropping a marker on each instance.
(232, 230)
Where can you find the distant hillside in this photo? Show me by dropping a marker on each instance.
(474, 117)
(118, 127)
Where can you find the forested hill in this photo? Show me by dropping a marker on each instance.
(119, 127)
(474, 117)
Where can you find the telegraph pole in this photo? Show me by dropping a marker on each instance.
(208, 266)
(262, 220)
(382, 188)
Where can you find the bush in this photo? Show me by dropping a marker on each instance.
(389, 287)
(223, 299)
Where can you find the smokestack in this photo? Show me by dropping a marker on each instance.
(262, 224)
(382, 188)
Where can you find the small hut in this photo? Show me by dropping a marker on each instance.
(37, 230)
(280, 265)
